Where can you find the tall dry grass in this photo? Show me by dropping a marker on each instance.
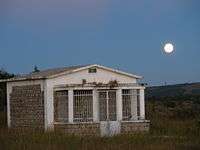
(165, 134)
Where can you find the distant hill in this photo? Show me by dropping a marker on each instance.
(171, 91)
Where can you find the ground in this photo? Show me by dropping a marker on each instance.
(174, 125)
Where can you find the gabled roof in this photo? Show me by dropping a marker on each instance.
(52, 73)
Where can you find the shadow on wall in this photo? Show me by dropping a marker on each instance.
(3, 96)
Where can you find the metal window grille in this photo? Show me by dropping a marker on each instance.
(83, 105)
(103, 105)
(107, 101)
(61, 106)
(127, 95)
(126, 104)
(112, 105)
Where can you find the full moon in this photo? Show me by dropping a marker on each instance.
(168, 48)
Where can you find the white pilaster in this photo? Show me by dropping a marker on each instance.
(9, 90)
(70, 106)
(95, 106)
(49, 107)
(119, 104)
(45, 106)
(142, 104)
(134, 115)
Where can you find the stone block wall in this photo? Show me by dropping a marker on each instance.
(81, 129)
(132, 127)
(27, 107)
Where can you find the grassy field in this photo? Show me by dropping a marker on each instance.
(170, 129)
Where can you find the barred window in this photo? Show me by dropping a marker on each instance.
(107, 102)
(112, 105)
(129, 95)
(61, 106)
(103, 105)
(83, 105)
(126, 104)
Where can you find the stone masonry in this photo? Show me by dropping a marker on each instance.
(27, 107)
(91, 129)
(133, 127)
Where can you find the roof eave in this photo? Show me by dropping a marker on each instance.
(22, 79)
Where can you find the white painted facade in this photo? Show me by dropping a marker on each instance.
(63, 81)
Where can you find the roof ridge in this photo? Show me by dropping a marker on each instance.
(51, 69)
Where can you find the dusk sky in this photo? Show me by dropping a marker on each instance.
(123, 34)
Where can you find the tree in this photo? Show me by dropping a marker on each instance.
(35, 69)
(5, 75)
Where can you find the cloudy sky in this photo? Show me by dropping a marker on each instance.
(124, 34)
